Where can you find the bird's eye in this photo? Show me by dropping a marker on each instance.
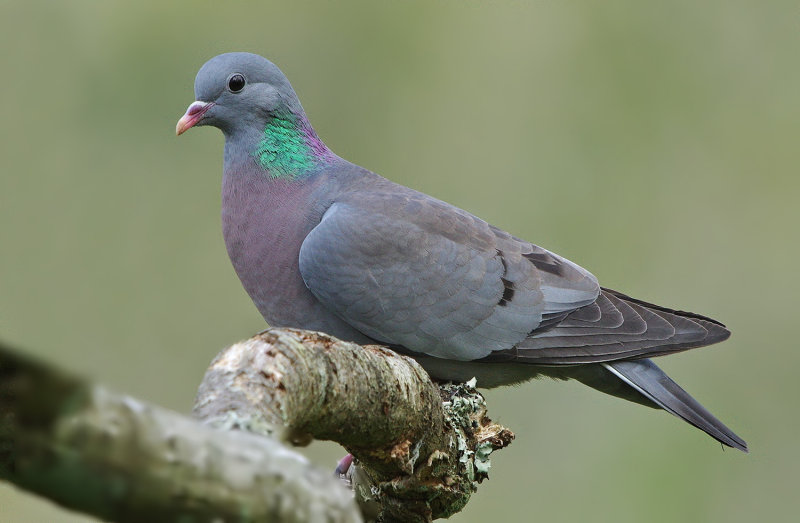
(236, 83)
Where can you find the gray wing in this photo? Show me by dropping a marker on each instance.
(616, 327)
(410, 270)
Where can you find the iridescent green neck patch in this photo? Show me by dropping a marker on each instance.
(290, 148)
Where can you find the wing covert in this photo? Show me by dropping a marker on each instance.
(413, 271)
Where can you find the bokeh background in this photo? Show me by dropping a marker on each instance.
(655, 144)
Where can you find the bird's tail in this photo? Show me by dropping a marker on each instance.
(651, 382)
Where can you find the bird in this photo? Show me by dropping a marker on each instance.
(320, 243)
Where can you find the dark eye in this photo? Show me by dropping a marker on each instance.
(236, 83)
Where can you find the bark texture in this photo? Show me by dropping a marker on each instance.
(421, 449)
(120, 459)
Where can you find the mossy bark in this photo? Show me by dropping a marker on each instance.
(120, 459)
(421, 448)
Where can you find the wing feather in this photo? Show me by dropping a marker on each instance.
(626, 328)
(410, 270)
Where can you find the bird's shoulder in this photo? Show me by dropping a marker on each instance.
(383, 205)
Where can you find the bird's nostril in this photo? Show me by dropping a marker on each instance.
(196, 108)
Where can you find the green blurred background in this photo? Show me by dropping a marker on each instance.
(654, 144)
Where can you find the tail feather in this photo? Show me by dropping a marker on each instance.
(653, 383)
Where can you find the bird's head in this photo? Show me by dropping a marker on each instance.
(237, 91)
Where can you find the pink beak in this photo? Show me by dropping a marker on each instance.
(193, 115)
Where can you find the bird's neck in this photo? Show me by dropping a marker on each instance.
(289, 148)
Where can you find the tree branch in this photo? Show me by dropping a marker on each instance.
(120, 459)
(421, 449)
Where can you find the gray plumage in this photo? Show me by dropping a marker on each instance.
(320, 243)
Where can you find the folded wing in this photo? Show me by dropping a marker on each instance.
(615, 327)
(409, 270)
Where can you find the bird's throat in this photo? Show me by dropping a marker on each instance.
(289, 148)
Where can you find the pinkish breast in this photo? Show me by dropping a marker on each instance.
(264, 222)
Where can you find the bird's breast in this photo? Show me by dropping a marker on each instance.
(264, 223)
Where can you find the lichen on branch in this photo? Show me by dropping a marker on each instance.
(120, 459)
(420, 449)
